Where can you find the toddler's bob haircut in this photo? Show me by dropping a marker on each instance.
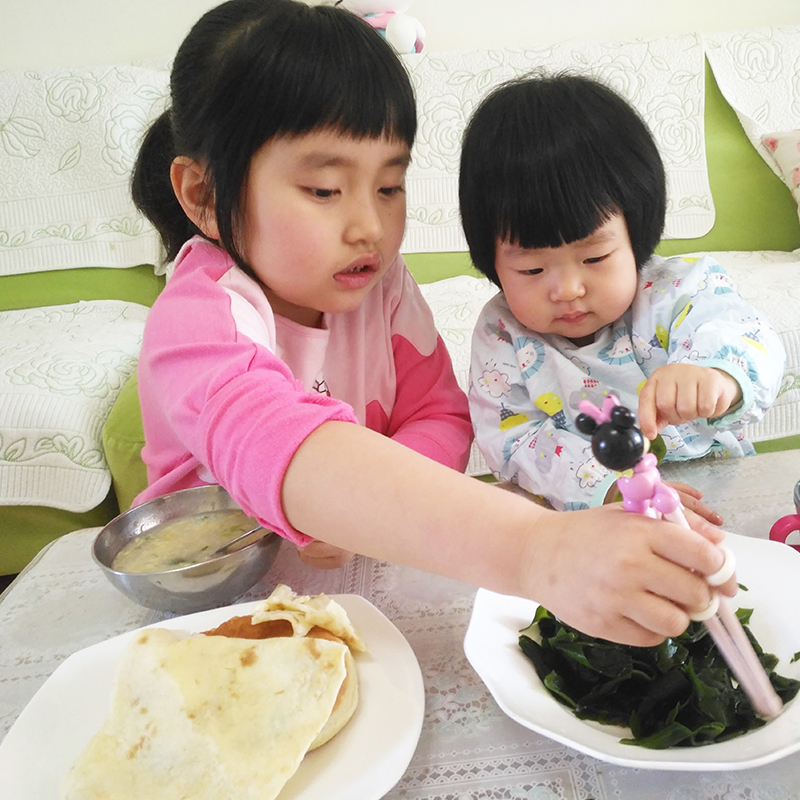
(546, 160)
(250, 71)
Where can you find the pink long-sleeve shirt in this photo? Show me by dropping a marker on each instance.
(229, 390)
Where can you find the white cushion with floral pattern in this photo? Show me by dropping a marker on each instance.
(62, 369)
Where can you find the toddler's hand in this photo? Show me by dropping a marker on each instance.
(323, 556)
(684, 392)
(691, 499)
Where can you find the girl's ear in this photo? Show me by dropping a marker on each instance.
(189, 184)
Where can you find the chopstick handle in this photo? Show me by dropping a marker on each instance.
(728, 634)
(731, 639)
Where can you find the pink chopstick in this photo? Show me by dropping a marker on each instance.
(723, 625)
(645, 493)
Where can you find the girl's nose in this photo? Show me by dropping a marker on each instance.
(567, 286)
(364, 223)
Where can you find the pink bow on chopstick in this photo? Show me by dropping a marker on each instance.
(619, 445)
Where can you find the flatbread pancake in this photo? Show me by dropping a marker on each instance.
(212, 717)
(284, 613)
(304, 612)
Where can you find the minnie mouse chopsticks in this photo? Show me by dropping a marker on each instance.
(619, 445)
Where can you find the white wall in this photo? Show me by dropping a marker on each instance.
(49, 33)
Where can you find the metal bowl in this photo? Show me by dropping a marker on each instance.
(196, 587)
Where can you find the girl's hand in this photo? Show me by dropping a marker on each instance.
(685, 392)
(622, 576)
(323, 556)
(691, 500)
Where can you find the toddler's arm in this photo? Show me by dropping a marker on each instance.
(612, 574)
(725, 361)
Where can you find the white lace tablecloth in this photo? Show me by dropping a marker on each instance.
(469, 749)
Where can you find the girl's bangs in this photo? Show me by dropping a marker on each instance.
(557, 209)
(360, 87)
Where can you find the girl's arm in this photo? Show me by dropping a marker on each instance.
(611, 574)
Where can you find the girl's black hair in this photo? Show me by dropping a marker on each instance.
(251, 70)
(547, 159)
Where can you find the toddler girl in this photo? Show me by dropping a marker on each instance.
(292, 360)
(563, 200)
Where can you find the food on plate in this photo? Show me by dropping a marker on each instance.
(184, 541)
(679, 694)
(221, 716)
(287, 614)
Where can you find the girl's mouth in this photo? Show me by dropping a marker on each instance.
(574, 316)
(355, 270)
(358, 274)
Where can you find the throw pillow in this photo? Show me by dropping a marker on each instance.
(785, 149)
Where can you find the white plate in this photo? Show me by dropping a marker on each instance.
(365, 760)
(770, 571)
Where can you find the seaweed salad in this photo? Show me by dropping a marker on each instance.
(678, 694)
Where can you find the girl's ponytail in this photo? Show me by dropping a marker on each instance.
(151, 187)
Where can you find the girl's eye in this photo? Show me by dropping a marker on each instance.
(391, 191)
(595, 260)
(322, 194)
(537, 271)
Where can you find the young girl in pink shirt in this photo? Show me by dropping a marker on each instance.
(292, 360)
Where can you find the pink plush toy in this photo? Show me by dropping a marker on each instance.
(404, 33)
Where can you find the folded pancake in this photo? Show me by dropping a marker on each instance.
(305, 612)
(284, 613)
(214, 717)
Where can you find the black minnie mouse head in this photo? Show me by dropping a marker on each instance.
(616, 443)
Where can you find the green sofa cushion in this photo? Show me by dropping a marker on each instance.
(27, 529)
(123, 439)
(59, 287)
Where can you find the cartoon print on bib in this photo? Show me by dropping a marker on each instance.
(530, 356)
(508, 419)
(620, 351)
(546, 449)
(494, 383)
(591, 391)
(590, 472)
(719, 281)
(553, 406)
(734, 355)
(754, 335)
(498, 329)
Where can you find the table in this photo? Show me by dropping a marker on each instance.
(469, 750)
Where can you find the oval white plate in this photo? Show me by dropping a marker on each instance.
(771, 573)
(365, 760)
